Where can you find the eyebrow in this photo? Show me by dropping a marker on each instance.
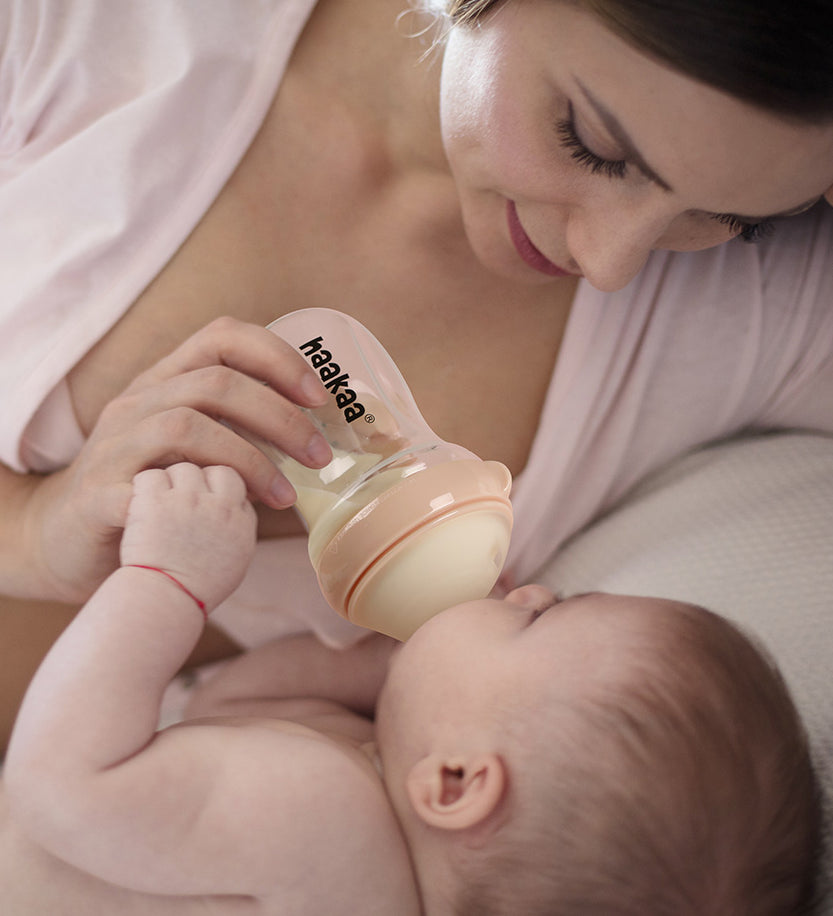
(632, 154)
(621, 136)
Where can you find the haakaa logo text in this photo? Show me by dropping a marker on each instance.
(334, 379)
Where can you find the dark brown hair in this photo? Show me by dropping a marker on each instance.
(681, 786)
(773, 54)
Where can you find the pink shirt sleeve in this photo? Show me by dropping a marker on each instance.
(700, 347)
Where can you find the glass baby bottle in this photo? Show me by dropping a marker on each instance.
(401, 524)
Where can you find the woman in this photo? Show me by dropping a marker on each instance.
(506, 220)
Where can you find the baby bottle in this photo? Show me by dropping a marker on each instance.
(401, 524)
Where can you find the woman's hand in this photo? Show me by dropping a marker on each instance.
(229, 372)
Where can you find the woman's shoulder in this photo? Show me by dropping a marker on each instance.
(49, 57)
(125, 120)
(797, 259)
(788, 273)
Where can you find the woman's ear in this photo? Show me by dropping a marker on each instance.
(454, 793)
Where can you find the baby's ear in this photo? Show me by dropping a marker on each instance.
(455, 793)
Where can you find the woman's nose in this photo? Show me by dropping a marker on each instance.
(610, 247)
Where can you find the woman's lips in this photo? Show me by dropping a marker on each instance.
(528, 252)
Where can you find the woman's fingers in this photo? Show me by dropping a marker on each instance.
(228, 383)
(230, 374)
(185, 434)
(225, 394)
(249, 349)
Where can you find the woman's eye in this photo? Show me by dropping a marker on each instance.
(612, 168)
(749, 232)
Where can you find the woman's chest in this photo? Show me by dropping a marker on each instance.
(315, 216)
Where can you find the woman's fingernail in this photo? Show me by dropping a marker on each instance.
(282, 493)
(318, 450)
(313, 390)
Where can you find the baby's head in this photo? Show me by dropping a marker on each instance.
(612, 755)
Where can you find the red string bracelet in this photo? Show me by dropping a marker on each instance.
(188, 592)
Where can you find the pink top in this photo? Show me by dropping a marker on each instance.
(119, 125)
(701, 346)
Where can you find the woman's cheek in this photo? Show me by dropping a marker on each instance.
(695, 232)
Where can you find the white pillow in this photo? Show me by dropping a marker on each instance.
(744, 528)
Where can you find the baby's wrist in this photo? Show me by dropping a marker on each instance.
(163, 575)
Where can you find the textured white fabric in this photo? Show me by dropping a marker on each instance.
(746, 529)
(119, 124)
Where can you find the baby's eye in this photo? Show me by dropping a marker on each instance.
(540, 611)
(570, 140)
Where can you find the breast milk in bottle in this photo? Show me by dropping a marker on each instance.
(401, 523)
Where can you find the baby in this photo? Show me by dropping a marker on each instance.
(601, 754)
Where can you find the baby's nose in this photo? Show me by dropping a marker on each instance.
(531, 596)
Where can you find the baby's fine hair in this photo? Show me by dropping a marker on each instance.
(682, 788)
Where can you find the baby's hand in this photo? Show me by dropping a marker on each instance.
(194, 523)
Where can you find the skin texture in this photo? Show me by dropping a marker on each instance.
(707, 155)
(195, 816)
(384, 182)
(278, 771)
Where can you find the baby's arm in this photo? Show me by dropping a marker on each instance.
(136, 631)
(93, 706)
(295, 677)
(231, 807)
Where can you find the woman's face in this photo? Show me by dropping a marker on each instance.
(574, 153)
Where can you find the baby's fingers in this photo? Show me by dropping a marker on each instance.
(225, 481)
(151, 481)
(217, 479)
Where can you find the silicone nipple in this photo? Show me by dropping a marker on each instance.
(437, 538)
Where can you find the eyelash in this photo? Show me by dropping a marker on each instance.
(612, 168)
(749, 232)
(540, 611)
(617, 168)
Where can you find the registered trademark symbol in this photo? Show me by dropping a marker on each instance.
(369, 418)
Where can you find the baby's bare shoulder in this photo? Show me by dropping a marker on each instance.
(32, 882)
(334, 841)
(360, 867)
(324, 753)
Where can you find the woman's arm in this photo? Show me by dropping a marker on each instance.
(59, 534)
